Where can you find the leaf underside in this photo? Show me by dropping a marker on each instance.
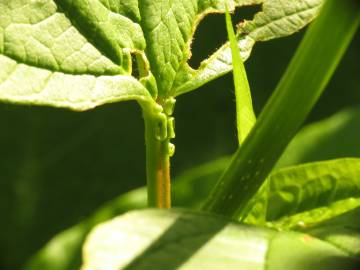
(78, 54)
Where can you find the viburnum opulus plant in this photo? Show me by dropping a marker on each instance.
(81, 54)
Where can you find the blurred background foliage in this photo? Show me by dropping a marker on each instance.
(58, 166)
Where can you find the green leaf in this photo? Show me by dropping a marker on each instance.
(72, 54)
(342, 231)
(59, 53)
(77, 37)
(168, 27)
(297, 92)
(308, 194)
(245, 116)
(334, 137)
(175, 239)
(279, 18)
(77, 54)
(21, 83)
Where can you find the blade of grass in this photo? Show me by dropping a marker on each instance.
(245, 117)
(305, 79)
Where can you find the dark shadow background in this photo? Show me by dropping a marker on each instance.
(57, 166)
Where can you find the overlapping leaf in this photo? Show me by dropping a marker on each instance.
(77, 54)
(182, 240)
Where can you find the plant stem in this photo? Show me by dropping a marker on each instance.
(301, 86)
(157, 159)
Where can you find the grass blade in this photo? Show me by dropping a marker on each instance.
(245, 117)
(305, 79)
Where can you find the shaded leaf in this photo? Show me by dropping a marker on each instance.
(334, 137)
(189, 189)
(342, 231)
(184, 240)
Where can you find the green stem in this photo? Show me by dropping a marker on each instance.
(157, 157)
(305, 79)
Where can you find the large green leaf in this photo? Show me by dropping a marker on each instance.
(78, 54)
(73, 54)
(152, 239)
(308, 194)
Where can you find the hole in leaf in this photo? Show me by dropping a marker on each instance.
(211, 33)
(135, 68)
(139, 67)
